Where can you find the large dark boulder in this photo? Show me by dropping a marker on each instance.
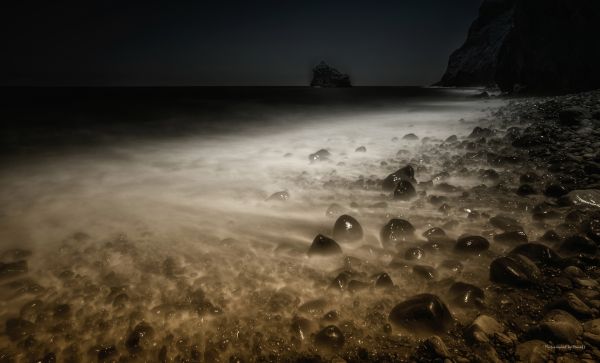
(326, 76)
(531, 45)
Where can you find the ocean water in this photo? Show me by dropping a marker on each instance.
(152, 205)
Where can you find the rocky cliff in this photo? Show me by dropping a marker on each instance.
(535, 45)
(326, 76)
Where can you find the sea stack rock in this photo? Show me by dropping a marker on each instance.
(327, 77)
(531, 45)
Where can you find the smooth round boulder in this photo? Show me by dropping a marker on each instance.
(324, 246)
(424, 313)
(404, 191)
(410, 136)
(433, 233)
(424, 271)
(466, 295)
(347, 229)
(320, 155)
(507, 224)
(406, 173)
(472, 245)
(512, 237)
(330, 338)
(513, 271)
(361, 149)
(396, 230)
(536, 252)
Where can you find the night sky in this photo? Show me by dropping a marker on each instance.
(113, 43)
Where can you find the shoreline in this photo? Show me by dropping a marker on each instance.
(208, 304)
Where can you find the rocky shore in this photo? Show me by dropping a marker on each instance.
(486, 250)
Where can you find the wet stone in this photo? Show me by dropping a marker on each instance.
(483, 328)
(413, 253)
(410, 137)
(578, 244)
(347, 229)
(479, 132)
(433, 233)
(406, 173)
(302, 327)
(330, 337)
(279, 196)
(473, 245)
(426, 272)
(538, 253)
(341, 281)
(533, 351)
(513, 271)
(396, 230)
(507, 224)
(512, 237)
(324, 246)
(451, 138)
(558, 326)
(436, 345)
(422, 313)
(320, 155)
(361, 149)
(384, 280)
(466, 295)
(404, 191)
(573, 304)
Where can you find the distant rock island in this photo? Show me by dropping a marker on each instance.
(327, 76)
(532, 45)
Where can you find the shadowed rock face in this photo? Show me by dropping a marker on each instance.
(474, 63)
(532, 45)
(326, 76)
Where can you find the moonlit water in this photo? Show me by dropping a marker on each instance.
(158, 219)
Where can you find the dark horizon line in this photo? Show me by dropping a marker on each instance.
(230, 86)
